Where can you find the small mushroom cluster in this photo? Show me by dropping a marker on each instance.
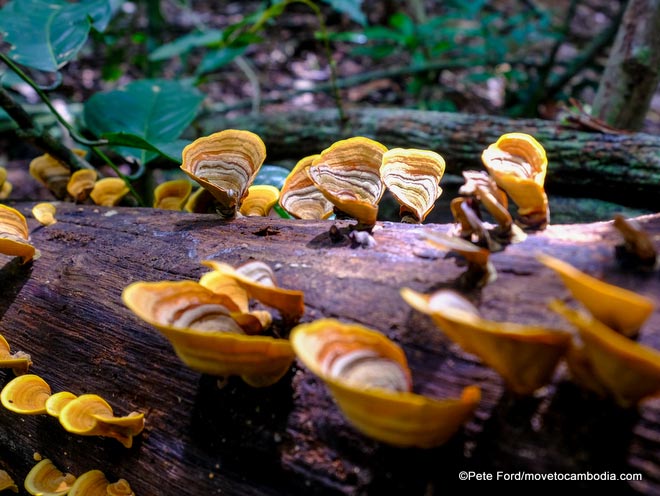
(14, 235)
(85, 415)
(210, 325)
(45, 479)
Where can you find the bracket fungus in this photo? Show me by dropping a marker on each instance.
(610, 362)
(14, 235)
(260, 200)
(413, 177)
(26, 394)
(348, 175)
(53, 173)
(45, 213)
(57, 401)
(45, 479)
(108, 191)
(199, 325)
(518, 163)
(81, 183)
(225, 164)
(95, 483)
(299, 195)
(637, 249)
(5, 186)
(19, 362)
(524, 356)
(6, 482)
(91, 415)
(623, 310)
(369, 379)
(172, 195)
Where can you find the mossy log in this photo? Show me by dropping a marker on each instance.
(622, 168)
(65, 310)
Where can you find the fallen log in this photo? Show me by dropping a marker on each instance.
(64, 309)
(623, 168)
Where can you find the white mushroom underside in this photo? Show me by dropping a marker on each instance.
(367, 369)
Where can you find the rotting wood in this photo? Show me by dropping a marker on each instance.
(65, 310)
(623, 168)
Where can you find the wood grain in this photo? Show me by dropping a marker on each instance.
(65, 310)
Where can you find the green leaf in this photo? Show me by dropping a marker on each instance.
(46, 34)
(171, 150)
(186, 43)
(274, 175)
(155, 110)
(352, 8)
(218, 58)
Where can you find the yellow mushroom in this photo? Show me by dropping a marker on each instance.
(45, 213)
(6, 482)
(91, 415)
(300, 197)
(53, 173)
(258, 279)
(518, 164)
(57, 401)
(525, 356)
(225, 164)
(623, 310)
(413, 177)
(348, 175)
(5, 186)
(172, 195)
(626, 370)
(81, 184)
(95, 483)
(109, 191)
(199, 325)
(19, 362)
(369, 379)
(14, 234)
(45, 479)
(637, 248)
(200, 202)
(26, 394)
(119, 488)
(260, 200)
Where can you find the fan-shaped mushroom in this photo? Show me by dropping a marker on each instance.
(53, 173)
(45, 479)
(172, 195)
(109, 191)
(45, 213)
(14, 234)
(19, 362)
(81, 183)
(26, 394)
(260, 200)
(5, 186)
(299, 195)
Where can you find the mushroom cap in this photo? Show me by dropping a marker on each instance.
(348, 175)
(5, 186)
(525, 356)
(623, 310)
(225, 164)
(6, 482)
(109, 191)
(91, 483)
(57, 401)
(332, 349)
(200, 202)
(45, 479)
(19, 362)
(45, 213)
(81, 183)
(413, 177)
(26, 394)
(52, 173)
(14, 234)
(628, 371)
(299, 195)
(172, 195)
(260, 200)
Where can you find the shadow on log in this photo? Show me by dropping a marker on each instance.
(65, 310)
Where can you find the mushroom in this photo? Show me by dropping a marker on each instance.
(14, 235)
(95, 483)
(6, 482)
(19, 362)
(260, 200)
(299, 195)
(518, 164)
(26, 394)
(623, 310)
(5, 186)
(637, 249)
(199, 325)
(109, 191)
(81, 183)
(225, 164)
(369, 379)
(172, 195)
(348, 175)
(57, 401)
(413, 177)
(626, 370)
(200, 202)
(53, 173)
(91, 415)
(45, 479)
(524, 356)
(45, 213)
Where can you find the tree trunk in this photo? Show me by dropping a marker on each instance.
(65, 310)
(633, 68)
(623, 168)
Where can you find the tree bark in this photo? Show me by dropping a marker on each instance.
(65, 310)
(633, 68)
(623, 168)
